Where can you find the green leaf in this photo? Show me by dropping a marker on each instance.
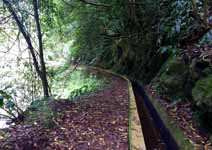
(1, 101)
(5, 95)
(10, 104)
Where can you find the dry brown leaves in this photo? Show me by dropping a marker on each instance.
(181, 114)
(95, 122)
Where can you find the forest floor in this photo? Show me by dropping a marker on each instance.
(96, 121)
(181, 114)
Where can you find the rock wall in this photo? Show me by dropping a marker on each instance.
(187, 80)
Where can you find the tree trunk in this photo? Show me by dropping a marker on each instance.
(205, 16)
(41, 56)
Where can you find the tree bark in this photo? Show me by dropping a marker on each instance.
(41, 56)
(203, 20)
(195, 7)
(205, 16)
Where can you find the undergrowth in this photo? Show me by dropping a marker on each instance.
(70, 84)
(40, 112)
(66, 84)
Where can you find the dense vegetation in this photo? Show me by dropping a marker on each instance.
(162, 43)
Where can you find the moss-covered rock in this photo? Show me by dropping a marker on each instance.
(202, 93)
(173, 77)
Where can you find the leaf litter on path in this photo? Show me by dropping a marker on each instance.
(98, 121)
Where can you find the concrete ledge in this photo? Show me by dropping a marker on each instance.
(137, 139)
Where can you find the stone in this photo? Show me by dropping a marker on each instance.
(202, 93)
(174, 77)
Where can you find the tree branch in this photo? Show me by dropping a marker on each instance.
(5, 19)
(95, 4)
(67, 3)
(135, 3)
(195, 9)
(8, 112)
(121, 36)
(205, 16)
(202, 20)
(41, 55)
(6, 116)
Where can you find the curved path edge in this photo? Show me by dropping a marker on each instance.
(135, 133)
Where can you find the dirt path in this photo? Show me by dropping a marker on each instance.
(95, 122)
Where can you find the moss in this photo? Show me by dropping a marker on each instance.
(176, 132)
(123, 57)
(202, 93)
(40, 112)
(173, 77)
(207, 71)
(202, 98)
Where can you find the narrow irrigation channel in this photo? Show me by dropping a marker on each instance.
(156, 135)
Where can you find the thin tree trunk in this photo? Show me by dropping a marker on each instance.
(41, 56)
(205, 16)
(195, 9)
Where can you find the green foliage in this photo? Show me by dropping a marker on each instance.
(5, 95)
(10, 105)
(76, 83)
(172, 78)
(79, 92)
(7, 101)
(130, 39)
(93, 33)
(206, 39)
(175, 20)
(40, 112)
(202, 97)
(1, 101)
(202, 93)
(169, 49)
